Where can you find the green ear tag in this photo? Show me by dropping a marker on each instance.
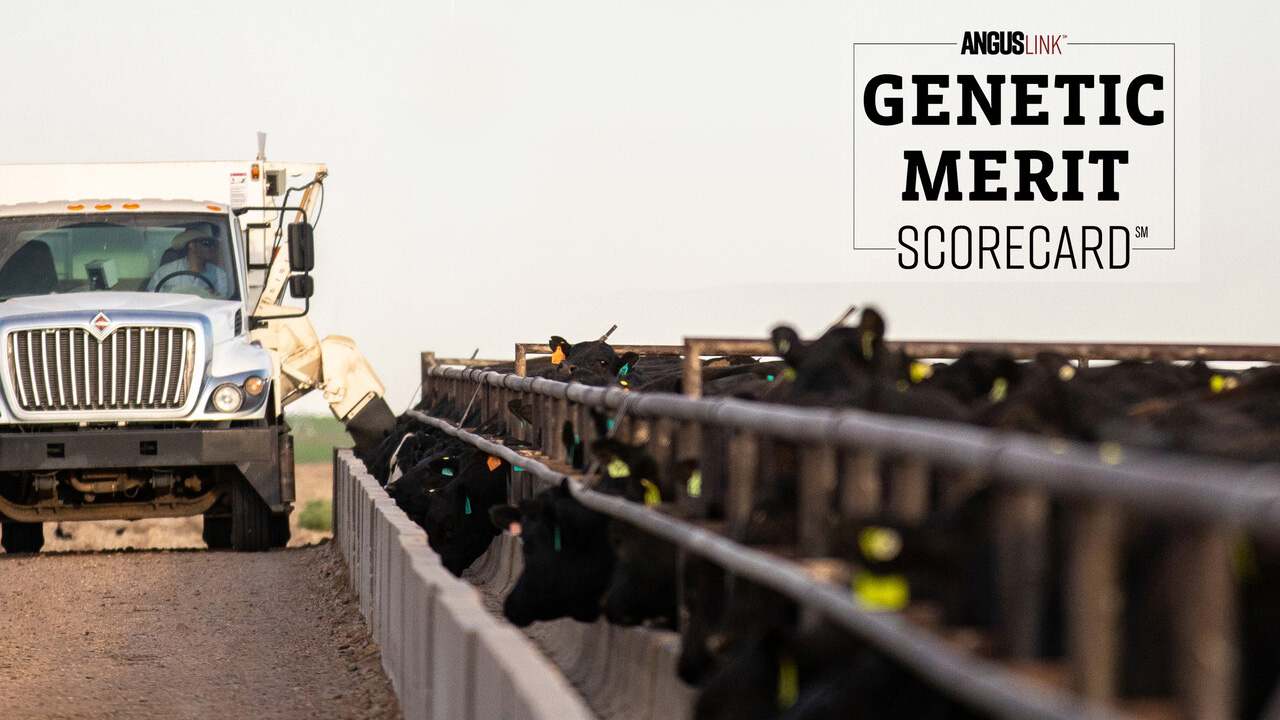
(617, 468)
(517, 469)
(557, 537)
(625, 367)
(769, 378)
(446, 472)
(468, 506)
(695, 484)
(652, 496)
(608, 424)
(788, 682)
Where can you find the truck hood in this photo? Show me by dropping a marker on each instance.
(84, 306)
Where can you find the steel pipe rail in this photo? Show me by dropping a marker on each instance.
(979, 683)
(1237, 494)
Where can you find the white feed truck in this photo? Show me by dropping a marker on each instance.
(147, 355)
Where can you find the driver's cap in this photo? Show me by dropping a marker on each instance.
(199, 232)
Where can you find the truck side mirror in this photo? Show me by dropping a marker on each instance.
(302, 255)
(301, 286)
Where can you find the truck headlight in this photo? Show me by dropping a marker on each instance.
(227, 398)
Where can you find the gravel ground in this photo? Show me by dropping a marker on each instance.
(185, 633)
(163, 634)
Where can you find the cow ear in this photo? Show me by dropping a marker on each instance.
(522, 410)
(787, 344)
(504, 517)
(625, 364)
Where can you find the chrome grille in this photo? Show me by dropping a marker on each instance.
(133, 368)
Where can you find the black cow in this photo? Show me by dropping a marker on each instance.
(567, 557)
(457, 515)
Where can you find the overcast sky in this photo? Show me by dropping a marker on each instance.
(504, 171)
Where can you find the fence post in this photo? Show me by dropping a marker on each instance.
(1094, 600)
(744, 458)
(1206, 665)
(817, 480)
(1021, 516)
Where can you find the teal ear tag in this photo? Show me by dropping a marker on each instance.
(557, 537)
(609, 424)
(517, 469)
(468, 506)
(769, 378)
(446, 472)
(623, 370)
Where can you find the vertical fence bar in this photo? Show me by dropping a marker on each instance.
(1021, 556)
(1094, 600)
(521, 361)
(688, 446)
(740, 495)
(860, 490)
(909, 490)
(817, 483)
(692, 380)
(1206, 664)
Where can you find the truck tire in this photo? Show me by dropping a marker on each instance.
(21, 537)
(217, 532)
(250, 519)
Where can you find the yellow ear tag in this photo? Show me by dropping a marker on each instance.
(1066, 372)
(788, 682)
(651, 494)
(1110, 453)
(881, 592)
(868, 344)
(694, 488)
(903, 385)
(557, 357)
(1217, 383)
(789, 375)
(616, 468)
(920, 371)
(879, 544)
(493, 463)
(999, 389)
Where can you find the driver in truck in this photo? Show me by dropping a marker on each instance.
(197, 269)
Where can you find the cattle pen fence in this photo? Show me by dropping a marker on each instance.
(854, 464)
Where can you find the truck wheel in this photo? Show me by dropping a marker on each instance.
(217, 532)
(21, 537)
(280, 532)
(250, 519)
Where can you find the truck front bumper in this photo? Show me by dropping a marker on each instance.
(264, 456)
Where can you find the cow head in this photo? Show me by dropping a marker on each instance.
(567, 558)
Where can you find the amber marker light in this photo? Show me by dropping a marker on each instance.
(214, 208)
(103, 206)
(130, 206)
(255, 172)
(253, 385)
(75, 207)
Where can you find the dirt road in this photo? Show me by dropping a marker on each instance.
(164, 634)
(185, 633)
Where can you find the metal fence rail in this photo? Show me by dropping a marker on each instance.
(983, 685)
(840, 453)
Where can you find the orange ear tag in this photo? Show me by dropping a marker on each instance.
(557, 357)
(494, 462)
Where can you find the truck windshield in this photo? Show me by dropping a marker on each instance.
(117, 252)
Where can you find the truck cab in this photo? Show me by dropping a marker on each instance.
(131, 386)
